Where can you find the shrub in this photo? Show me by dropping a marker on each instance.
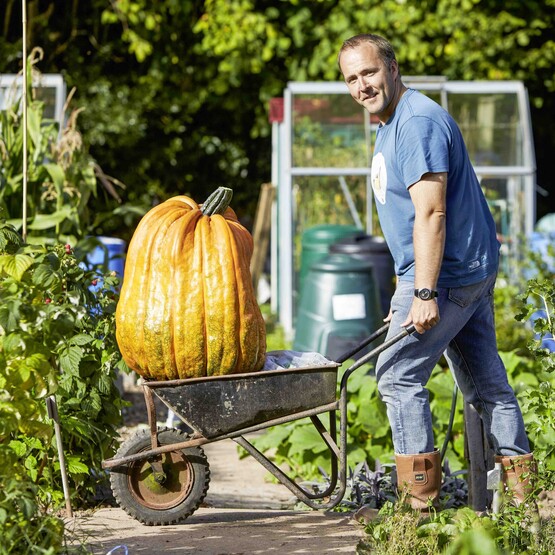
(56, 339)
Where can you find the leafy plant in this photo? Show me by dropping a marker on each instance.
(62, 176)
(539, 300)
(400, 530)
(56, 338)
(370, 488)
(24, 527)
(299, 446)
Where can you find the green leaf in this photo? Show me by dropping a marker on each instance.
(18, 447)
(306, 438)
(373, 419)
(75, 466)
(9, 238)
(45, 276)
(57, 175)
(104, 384)
(34, 116)
(31, 464)
(47, 221)
(70, 357)
(80, 339)
(276, 435)
(13, 343)
(15, 265)
(9, 316)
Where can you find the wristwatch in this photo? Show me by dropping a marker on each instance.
(425, 294)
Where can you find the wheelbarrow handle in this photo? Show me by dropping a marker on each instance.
(380, 348)
(366, 341)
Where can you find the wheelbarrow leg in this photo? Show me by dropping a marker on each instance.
(330, 440)
(336, 453)
(155, 462)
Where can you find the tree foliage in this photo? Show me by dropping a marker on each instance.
(176, 93)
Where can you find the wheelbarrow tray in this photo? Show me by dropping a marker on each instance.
(218, 405)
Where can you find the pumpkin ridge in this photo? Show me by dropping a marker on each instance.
(146, 342)
(172, 237)
(214, 310)
(251, 317)
(242, 364)
(157, 330)
(230, 299)
(188, 346)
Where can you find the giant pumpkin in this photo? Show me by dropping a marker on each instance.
(187, 307)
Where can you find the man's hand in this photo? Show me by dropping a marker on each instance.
(423, 314)
(389, 316)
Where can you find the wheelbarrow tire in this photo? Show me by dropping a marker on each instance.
(187, 475)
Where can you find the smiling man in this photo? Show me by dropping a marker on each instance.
(442, 237)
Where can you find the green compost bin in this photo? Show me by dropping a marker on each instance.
(374, 249)
(338, 307)
(315, 244)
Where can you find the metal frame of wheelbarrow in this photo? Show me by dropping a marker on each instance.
(208, 431)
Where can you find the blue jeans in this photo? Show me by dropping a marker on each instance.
(466, 335)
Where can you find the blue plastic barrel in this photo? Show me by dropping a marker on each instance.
(110, 255)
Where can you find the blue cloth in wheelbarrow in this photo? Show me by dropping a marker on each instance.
(280, 360)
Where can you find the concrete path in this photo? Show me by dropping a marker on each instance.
(243, 513)
(222, 531)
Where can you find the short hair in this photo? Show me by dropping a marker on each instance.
(385, 50)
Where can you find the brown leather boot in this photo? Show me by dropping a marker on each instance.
(516, 475)
(419, 478)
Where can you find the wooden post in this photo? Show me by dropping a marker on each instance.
(479, 457)
(261, 230)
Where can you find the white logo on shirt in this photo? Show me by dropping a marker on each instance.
(379, 177)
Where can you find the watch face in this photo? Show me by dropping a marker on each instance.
(425, 294)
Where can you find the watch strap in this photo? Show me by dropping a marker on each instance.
(425, 294)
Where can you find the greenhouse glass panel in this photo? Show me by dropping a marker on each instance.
(328, 130)
(48, 88)
(329, 200)
(490, 126)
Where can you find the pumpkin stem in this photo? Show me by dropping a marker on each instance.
(217, 202)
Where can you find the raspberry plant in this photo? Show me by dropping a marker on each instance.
(56, 337)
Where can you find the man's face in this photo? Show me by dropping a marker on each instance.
(370, 81)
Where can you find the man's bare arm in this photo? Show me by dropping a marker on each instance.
(428, 196)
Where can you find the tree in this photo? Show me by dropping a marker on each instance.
(176, 93)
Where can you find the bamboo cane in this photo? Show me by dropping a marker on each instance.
(24, 102)
(51, 404)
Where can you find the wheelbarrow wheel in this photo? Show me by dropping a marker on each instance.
(169, 500)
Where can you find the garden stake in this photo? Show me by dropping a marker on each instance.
(24, 100)
(51, 406)
(52, 409)
(495, 483)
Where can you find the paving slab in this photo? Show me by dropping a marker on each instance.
(214, 531)
(244, 512)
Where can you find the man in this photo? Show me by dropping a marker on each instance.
(442, 236)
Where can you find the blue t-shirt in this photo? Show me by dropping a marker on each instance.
(421, 137)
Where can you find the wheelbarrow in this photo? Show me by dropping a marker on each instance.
(161, 476)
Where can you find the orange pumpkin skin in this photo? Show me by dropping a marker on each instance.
(187, 307)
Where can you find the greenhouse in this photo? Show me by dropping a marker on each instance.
(322, 151)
